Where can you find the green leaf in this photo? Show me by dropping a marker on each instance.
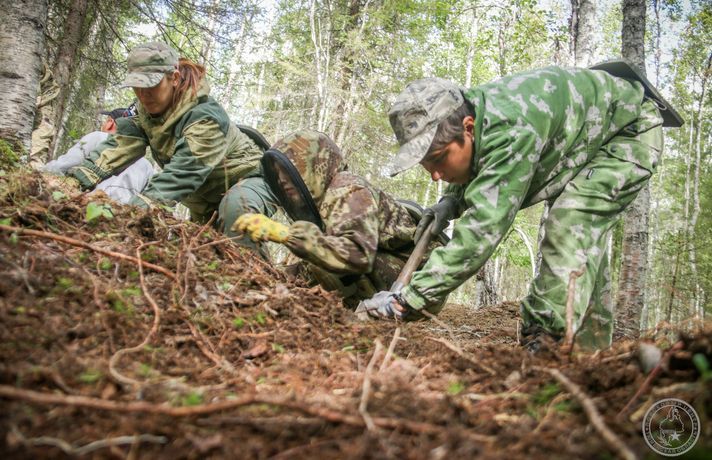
(96, 210)
(6, 221)
(260, 318)
(238, 322)
(58, 196)
(278, 348)
(90, 376)
(455, 388)
(192, 399)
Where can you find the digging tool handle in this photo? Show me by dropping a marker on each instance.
(414, 260)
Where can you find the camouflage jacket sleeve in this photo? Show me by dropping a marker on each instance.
(113, 155)
(200, 149)
(492, 200)
(350, 240)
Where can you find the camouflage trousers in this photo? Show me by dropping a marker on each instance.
(577, 230)
(249, 195)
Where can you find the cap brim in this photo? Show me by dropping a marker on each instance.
(412, 152)
(142, 80)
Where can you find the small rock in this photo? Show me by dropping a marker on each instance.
(513, 380)
(649, 356)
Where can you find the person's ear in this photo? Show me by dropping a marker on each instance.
(468, 123)
(175, 80)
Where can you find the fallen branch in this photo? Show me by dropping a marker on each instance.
(87, 448)
(568, 344)
(329, 415)
(156, 321)
(391, 348)
(593, 415)
(82, 244)
(366, 387)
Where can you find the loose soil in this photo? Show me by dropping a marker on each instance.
(136, 335)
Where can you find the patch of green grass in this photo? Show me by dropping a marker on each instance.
(192, 399)
(212, 266)
(455, 388)
(90, 376)
(546, 394)
(238, 322)
(260, 318)
(105, 264)
(145, 370)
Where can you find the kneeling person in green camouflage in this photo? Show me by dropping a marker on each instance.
(581, 139)
(350, 236)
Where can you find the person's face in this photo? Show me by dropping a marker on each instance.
(287, 186)
(453, 163)
(109, 125)
(158, 99)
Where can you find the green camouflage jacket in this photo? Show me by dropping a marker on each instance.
(534, 131)
(201, 151)
(367, 234)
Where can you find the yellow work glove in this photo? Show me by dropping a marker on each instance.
(261, 228)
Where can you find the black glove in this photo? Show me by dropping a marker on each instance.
(443, 212)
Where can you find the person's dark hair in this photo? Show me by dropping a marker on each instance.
(451, 129)
(190, 76)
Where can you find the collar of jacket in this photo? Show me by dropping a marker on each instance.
(175, 113)
(477, 99)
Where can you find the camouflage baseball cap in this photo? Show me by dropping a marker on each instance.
(148, 63)
(415, 116)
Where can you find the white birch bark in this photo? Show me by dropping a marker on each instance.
(22, 44)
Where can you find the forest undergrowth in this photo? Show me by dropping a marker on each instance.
(125, 333)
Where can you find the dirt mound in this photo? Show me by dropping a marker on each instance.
(126, 333)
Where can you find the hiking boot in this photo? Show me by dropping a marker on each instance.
(535, 339)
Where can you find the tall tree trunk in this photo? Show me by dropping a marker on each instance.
(582, 26)
(692, 223)
(22, 44)
(61, 78)
(634, 265)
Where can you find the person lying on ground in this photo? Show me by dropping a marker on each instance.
(350, 236)
(121, 187)
(583, 140)
(208, 163)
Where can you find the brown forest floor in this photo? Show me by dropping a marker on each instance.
(204, 351)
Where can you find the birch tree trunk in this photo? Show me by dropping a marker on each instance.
(22, 43)
(634, 266)
(582, 26)
(696, 307)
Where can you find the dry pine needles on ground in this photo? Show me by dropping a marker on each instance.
(133, 334)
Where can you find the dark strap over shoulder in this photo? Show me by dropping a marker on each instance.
(256, 136)
(623, 69)
(416, 212)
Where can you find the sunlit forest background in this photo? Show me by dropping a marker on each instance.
(336, 65)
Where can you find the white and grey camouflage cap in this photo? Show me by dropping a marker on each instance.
(148, 63)
(415, 116)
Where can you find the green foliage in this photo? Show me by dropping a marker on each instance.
(58, 196)
(455, 388)
(545, 394)
(8, 155)
(192, 399)
(277, 348)
(90, 376)
(96, 210)
(703, 366)
(238, 322)
(260, 318)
